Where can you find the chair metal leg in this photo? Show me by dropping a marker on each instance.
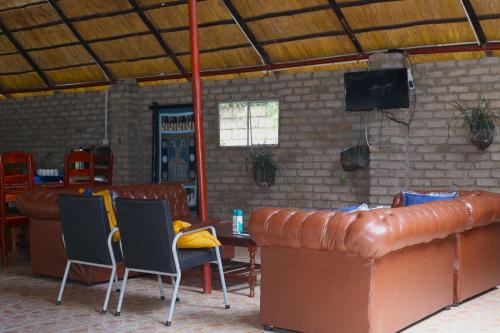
(222, 280)
(116, 282)
(174, 297)
(108, 291)
(63, 282)
(160, 285)
(173, 282)
(122, 293)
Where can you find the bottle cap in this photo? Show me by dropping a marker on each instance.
(239, 212)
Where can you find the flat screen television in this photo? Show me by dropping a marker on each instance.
(376, 90)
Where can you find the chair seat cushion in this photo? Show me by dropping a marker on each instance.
(189, 258)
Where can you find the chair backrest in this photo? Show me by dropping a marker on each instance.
(78, 170)
(16, 171)
(85, 227)
(103, 168)
(146, 234)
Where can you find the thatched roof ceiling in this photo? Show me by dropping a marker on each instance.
(56, 43)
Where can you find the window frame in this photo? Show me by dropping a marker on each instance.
(249, 101)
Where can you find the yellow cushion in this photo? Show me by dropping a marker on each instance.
(108, 204)
(196, 240)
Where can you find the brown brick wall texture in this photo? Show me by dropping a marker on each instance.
(48, 126)
(314, 128)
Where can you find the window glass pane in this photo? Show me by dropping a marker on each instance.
(264, 123)
(233, 124)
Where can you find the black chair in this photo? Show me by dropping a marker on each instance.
(150, 246)
(87, 238)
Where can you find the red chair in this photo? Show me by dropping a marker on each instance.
(102, 168)
(16, 177)
(78, 169)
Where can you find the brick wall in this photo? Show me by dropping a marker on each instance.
(48, 126)
(436, 153)
(314, 128)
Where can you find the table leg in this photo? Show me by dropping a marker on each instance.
(252, 278)
(207, 279)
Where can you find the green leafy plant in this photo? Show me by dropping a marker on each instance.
(343, 179)
(263, 167)
(478, 117)
(481, 122)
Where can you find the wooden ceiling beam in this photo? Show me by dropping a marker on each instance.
(168, 51)
(342, 19)
(107, 74)
(25, 55)
(289, 12)
(360, 3)
(410, 25)
(265, 42)
(247, 19)
(492, 46)
(61, 87)
(474, 22)
(26, 5)
(99, 15)
(330, 60)
(264, 56)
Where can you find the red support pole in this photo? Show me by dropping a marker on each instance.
(198, 122)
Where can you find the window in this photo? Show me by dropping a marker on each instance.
(248, 123)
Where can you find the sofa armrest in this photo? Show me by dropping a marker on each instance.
(41, 203)
(370, 234)
(483, 207)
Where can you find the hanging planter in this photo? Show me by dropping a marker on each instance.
(263, 167)
(480, 121)
(354, 158)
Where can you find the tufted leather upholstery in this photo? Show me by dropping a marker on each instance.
(477, 249)
(370, 234)
(378, 270)
(41, 203)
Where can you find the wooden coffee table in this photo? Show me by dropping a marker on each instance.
(236, 270)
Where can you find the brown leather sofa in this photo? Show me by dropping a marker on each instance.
(48, 257)
(369, 271)
(477, 249)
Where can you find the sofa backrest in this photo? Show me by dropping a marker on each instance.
(370, 234)
(483, 206)
(41, 203)
(397, 201)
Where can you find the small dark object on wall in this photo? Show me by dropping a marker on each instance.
(354, 158)
(263, 166)
(480, 121)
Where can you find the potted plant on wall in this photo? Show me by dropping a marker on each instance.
(263, 167)
(354, 158)
(480, 121)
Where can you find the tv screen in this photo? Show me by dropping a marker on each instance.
(380, 89)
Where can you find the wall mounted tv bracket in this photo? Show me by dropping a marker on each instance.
(411, 82)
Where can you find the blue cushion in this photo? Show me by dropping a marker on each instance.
(88, 192)
(355, 208)
(413, 198)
